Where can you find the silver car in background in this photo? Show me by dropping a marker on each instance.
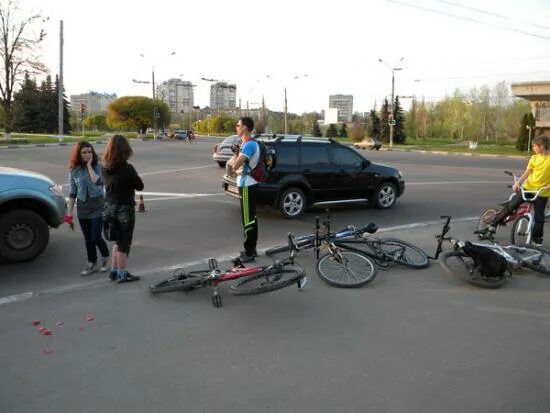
(223, 152)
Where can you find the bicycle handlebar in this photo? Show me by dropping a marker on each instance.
(524, 191)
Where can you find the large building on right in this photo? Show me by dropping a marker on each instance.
(538, 95)
(344, 104)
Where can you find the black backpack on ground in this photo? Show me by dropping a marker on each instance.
(489, 262)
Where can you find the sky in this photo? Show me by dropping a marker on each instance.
(313, 49)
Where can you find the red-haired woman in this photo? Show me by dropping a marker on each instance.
(121, 182)
(86, 190)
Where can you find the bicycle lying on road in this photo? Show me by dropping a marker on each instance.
(523, 219)
(351, 248)
(255, 280)
(487, 265)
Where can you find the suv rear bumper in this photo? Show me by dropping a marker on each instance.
(266, 193)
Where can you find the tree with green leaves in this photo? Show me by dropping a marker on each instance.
(528, 121)
(373, 125)
(20, 35)
(316, 130)
(136, 113)
(343, 133)
(411, 126)
(26, 107)
(331, 131)
(66, 114)
(399, 134)
(96, 121)
(384, 118)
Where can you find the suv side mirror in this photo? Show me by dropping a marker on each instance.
(366, 164)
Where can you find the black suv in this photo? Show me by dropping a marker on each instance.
(315, 171)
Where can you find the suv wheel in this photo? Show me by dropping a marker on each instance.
(221, 164)
(292, 202)
(23, 235)
(385, 196)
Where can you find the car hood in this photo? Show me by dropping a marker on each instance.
(21, 174)
(382, 168)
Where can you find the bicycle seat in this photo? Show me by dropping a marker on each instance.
(370, 228)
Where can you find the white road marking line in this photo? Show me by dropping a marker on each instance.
(177, 194)
(169, 171)
(10, 299)
(455, 182)
(166, 171)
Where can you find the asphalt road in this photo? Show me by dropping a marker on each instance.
(412, 341)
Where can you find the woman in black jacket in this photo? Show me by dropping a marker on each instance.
(121, 181)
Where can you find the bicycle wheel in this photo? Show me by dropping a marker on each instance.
(538, 262)
(267, 281)
(404, 253)
(521, 231)
(303, 242)
(346, 269)
(485, 219)
(180, 281)
(462, 265)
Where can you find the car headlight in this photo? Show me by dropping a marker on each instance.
(399, 175)
(56, 190)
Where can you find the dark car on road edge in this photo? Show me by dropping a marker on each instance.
(319, 172)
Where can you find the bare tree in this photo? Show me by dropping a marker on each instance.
(20, 36)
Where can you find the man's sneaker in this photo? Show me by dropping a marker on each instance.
(537, 242)
(128, 278)
(90, 269)
(244, 257)
(104, 264)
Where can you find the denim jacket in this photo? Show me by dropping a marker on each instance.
(81, 186)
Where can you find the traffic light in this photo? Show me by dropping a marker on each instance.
(83, 108)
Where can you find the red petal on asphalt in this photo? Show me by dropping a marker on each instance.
(42, 328)
(81, 329)
(47, 333)
(36, 323)
(47, 351)
(60, 323)
(89, 318)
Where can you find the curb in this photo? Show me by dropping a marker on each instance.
(42, 145)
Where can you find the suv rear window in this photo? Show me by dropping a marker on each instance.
(287, 155)
(314, 155)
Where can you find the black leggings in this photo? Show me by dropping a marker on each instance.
(511, 206)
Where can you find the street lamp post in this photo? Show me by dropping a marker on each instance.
(286, 102)
(529, 141)
(391, 120)
(156, 114)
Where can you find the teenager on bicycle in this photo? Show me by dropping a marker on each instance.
(535, 176)
(243, 162)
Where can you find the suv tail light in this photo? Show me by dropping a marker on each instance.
(216, 149)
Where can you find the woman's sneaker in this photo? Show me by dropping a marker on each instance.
(127, 278)
(104, 264)
(90, 269)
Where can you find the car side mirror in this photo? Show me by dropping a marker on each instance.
(366, 164)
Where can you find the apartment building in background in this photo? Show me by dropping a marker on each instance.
(177, 94)
(223, 96)
(94, 101)
(344, 104)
